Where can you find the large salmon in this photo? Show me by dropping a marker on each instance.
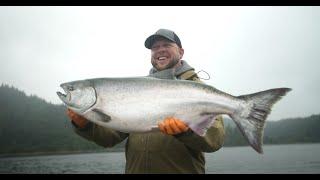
(137, 104)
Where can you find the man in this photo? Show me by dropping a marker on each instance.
(175, 149)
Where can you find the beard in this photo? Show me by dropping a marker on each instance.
(171, 64)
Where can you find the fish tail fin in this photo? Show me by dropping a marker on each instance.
(251, 119)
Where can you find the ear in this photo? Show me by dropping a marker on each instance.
(181, 52)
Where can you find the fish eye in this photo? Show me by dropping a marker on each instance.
(70, 88)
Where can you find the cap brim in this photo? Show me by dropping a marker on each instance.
(150, 40)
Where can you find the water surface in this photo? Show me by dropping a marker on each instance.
(291, 159)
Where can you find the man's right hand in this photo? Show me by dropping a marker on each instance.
(80, 121)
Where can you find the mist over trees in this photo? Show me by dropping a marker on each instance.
(29, 124)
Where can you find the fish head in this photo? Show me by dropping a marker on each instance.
(80, 95)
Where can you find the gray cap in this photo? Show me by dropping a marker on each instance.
(166, 33)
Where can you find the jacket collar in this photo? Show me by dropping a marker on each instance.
(178, 71)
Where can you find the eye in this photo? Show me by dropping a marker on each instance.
(70, 88)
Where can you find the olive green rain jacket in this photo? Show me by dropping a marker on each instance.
(156, 152)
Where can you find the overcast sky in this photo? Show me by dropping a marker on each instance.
(244, 49)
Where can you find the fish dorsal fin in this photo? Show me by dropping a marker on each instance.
(164, 74)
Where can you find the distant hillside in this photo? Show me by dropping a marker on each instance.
(30, 124)
(293, 130)
(286, 131)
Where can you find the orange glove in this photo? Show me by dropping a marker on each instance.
(80, 121)
(172, 126)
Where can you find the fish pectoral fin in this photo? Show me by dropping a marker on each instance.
(202, 123)
(103, 117)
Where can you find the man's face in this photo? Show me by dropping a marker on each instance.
(165, 54)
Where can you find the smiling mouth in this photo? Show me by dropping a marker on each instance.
(162, 58)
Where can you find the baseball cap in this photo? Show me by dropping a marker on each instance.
(166, 33)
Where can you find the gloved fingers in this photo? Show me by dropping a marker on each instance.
(171, 126)
(167, 127)
(174, 127)
(70, 113)
(181, 125)
(75, 117)
(164, 126)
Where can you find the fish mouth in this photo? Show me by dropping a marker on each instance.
(66, 98)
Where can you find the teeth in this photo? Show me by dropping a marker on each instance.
(162, 58)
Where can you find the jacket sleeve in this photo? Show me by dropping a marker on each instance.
(212, 141)
(100, 135)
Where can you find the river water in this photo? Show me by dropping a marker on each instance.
(288, 159)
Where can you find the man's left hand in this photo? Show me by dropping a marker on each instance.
(172, 126)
